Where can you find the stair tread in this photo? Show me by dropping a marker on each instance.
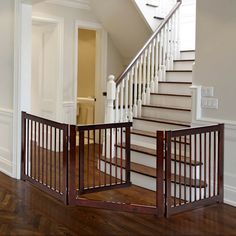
(172, 94)
(184, 60)
(167, 107)
(151, 172)
(158, 18)
(164, 121)
(174, 82)
(152, 152)
(189, 50)
(151, 135)
(171, 71)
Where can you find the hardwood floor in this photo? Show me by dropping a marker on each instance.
(24, 210)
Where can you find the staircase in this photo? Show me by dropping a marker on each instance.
(169, 109)
(154, 92)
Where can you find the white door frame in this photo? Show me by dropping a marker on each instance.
(101, 64)
(19, 20)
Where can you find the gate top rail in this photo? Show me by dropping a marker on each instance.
(197, 130)
(103, 126)
(44, 121)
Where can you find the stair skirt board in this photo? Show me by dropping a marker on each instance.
(150, 182)
(165, 113)
(151, 126)
(171, 101)
(174, 88)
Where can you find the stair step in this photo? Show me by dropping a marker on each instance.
(179, 75)
(163, 121)
(158, 18)
(151, 5)
(152, 152)
(187, 54)
(151, 172)
(152, 135)
(168, 108)
(161, 112)
(175, 87)
(172, 95)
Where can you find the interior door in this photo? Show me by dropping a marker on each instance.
(45, 70)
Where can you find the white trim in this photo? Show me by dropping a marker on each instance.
(80, 4)
(6, 112)
(101, 60)
(60, 24)
(17, 88)
(231, 191)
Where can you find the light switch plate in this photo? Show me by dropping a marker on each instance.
(210, 103)
(207, 91)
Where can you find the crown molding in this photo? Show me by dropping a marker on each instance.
(80, 4)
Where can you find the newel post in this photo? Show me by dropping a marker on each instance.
(111, 95)
(110, 116)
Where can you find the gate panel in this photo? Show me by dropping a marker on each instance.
(104, 157)
(45, 155)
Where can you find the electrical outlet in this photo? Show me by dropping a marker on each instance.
(210, 103)
(207, 91)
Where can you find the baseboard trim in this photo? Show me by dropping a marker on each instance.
(6, 166)
(230, 195)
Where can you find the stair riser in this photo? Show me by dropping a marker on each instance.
(187, 55)
(153, 126)
(151, 143)
(174, 88)
(171, 101)
(150, 183)
(179, 76)
(168, 114)
(183, 65)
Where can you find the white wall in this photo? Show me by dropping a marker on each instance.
(6, 52)
(6, 84)
(114, 59)
(215, 66)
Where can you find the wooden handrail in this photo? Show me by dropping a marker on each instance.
(119, 79)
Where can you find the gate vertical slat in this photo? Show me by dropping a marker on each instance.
(81, 161)
(127, 154)
(159, 173)
(221, 163)
(72, 163)
(167, 172)
(23, 144)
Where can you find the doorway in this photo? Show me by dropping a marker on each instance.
(86, 76)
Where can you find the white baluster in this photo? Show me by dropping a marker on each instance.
(144, 95)
(140, 87)
(156, 64)
(122, 100)
(131, 95)
(163, 66)
(135, 107)
(117, 104)
(172, 43)
(111, 92)
(178, 34)
(148, 74)
(160, 54)
(168, 44)
(126, 98)
(152, 67)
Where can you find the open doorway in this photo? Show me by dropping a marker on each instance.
(86, 76)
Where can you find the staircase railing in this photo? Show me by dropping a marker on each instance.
(133, 87)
